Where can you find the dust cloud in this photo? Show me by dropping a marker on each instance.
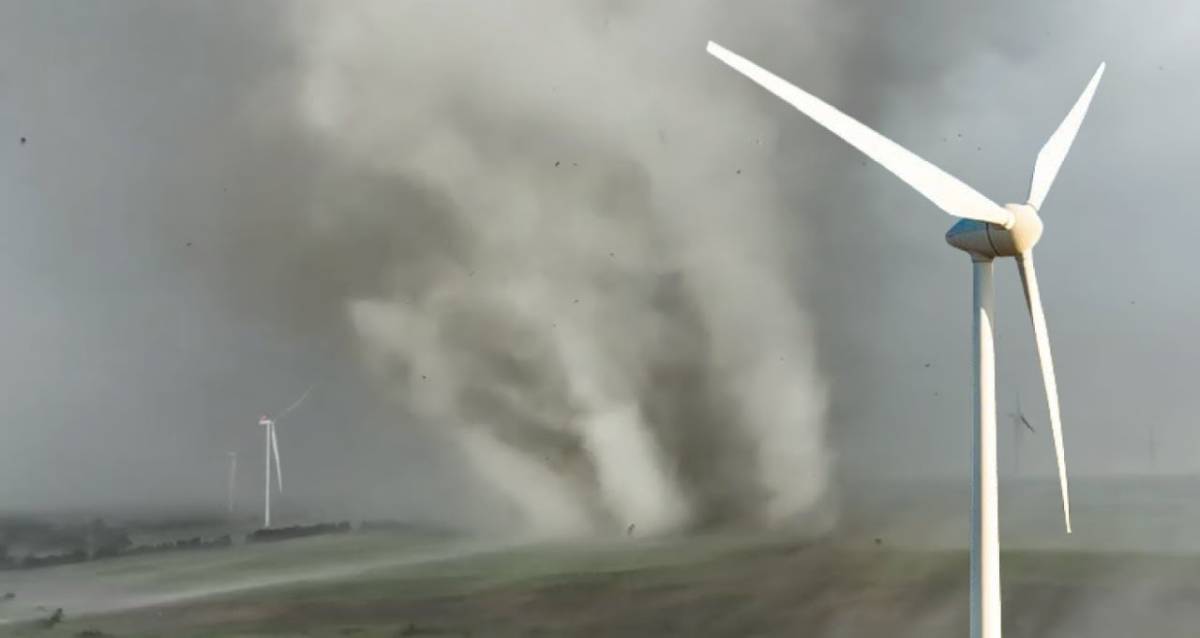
(552, 266)
(592, 298)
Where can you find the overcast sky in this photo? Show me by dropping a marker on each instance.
(151, 257)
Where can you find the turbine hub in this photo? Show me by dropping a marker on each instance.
(986, 241)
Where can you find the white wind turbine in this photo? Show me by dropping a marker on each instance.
(986, 231)
(229, 496)
(272, 449)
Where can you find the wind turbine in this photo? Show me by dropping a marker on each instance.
(1153, 447)
(985, 231)
(272, 449)
(232, 481)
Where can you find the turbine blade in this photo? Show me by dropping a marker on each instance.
(944, 190)
(1051, 157)
(1033, 299)
(295, 404)
(275, 449)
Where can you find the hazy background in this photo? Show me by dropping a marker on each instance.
(204, 192)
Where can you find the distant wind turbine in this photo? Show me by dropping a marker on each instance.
(232, 481)
(984, 231)
(1153, 447)
(272, 450)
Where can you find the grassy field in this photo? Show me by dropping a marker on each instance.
(714, 586)
(889, 573)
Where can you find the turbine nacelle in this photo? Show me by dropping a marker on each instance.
(986, 241)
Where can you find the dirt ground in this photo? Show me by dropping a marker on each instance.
(1130, 570)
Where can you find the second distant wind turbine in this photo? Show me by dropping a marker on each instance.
(232, 482)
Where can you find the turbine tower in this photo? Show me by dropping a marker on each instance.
(984, 231)
(271, 449)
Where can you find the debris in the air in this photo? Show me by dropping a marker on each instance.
(557, 163)
(878, 541)
(928, 364)
(189, 243)
(739, 171)
(1019, 417)
(629, 530)
(23, 140)
(54, 618)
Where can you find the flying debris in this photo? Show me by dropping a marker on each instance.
(985, 231)
(1018, 417)
(1018, 421)
(23, 140)
(54, 619)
